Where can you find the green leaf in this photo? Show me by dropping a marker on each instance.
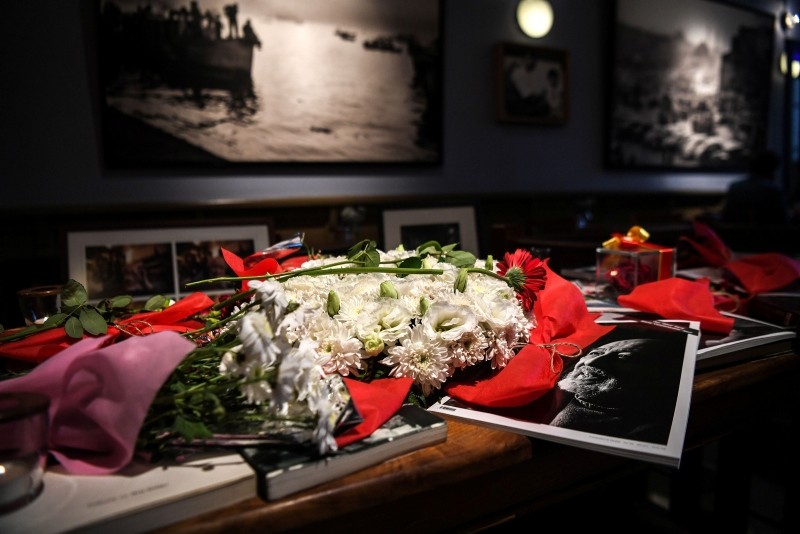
(413, 262)
(373, 258)
(55, 319)
(362, 246)
(460, 258)
(74, 328)
(93, 322)
(73, 294)
(156, 303)
(449, 248)
(190, 430)
(121, 301)
(429, 247)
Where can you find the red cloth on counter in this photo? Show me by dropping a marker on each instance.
(676, 298)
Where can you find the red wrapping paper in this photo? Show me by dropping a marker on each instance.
(676, 298)
(263, 267)
(708, 248)
(44, 345)
(376, 401)
(761, 273)
(562, 317)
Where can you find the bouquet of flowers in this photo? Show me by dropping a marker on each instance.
(275, 353)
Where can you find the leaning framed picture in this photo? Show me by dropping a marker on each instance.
(531, 84)
(158, 261)
(236, 84)
(689, 85)
(447, 225)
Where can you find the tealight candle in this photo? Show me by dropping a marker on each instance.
(23, 448)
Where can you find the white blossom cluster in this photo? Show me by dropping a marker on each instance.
(419, 325)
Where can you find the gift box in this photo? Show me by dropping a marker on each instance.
(626, 261)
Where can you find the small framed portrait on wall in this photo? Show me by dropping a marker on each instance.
(532, 84)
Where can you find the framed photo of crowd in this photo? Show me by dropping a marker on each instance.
(690, 84)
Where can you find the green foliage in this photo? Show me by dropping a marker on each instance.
(365, 253)
(78, 317)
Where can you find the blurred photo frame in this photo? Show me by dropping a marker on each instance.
(447, 225)
(158, 261)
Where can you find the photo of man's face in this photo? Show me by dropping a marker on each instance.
(612, 372)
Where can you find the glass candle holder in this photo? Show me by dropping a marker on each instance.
(23, 448)
(38, 303)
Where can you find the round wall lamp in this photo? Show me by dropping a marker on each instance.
(535, 17)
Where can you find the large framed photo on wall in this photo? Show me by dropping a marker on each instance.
(212, 83)
(690, 85)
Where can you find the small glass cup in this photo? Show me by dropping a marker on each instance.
(38, 303)
(23, 448)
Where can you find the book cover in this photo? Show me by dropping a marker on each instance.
(628, 394)
(749, 339)
(141, 497)
(283, 471)
(780, 308)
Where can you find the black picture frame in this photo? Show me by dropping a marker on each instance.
(531, 84)
(690, 84)
(295, 83)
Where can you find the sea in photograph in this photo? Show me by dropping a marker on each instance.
(316, 96)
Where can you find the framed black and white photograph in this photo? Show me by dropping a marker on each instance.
(690, 85)
(446, 225)
(221, 83)
(160, 261)
(532, 84)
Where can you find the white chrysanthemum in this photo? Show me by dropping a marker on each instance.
(421, 358)
(231, 363)
(257, 392)
(294, 326)
(323, 432)
(298, 375)
(338, 347)
(258, 342)
(468, 350)
(448, 321)
(355, 313)
(272, 297)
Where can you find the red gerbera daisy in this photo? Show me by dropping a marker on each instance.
(525, 274)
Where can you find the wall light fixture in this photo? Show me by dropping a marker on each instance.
(535, 17)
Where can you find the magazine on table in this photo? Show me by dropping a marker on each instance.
(282, 471)
(749, 339)
(139, 498)
(628, 394)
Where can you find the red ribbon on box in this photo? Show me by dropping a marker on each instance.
(636, 240)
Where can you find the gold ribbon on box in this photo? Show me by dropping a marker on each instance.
(636, 240)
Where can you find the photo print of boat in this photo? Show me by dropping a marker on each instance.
(207, 82)
(691, 81)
